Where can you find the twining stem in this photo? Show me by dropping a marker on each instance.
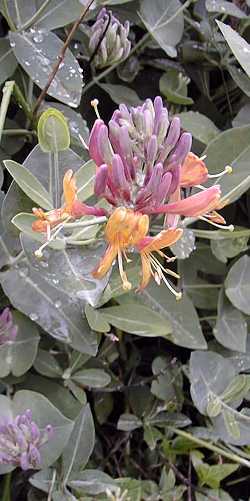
(211, 447)
(60, 57)
(7, 92)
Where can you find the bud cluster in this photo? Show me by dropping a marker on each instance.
(115, 45)
(20, 441)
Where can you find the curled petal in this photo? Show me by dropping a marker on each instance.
(194, 206)
(164, 239)
(146, 271)
(69, 188)
(193, 171)
(106, 262)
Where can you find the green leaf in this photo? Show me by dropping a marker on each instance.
(29, 184)
(151, 436)
(93, 378)
(173, 86)
(49, 307)
(68, 270)
(96, 320)
(120, 93)
(224, 7)
(44, 413)
(92, 482)
(37, 51)
(56, 13)
(23, 222)
(229, 247)
(53, 131)
(243, 116)
(17, 356)
(231, 328)
(55, 392)
(141, 320)
(128, 422)
(200, 126)
(47, 365)
(8, 61)
(231, 147)
(217, 494)
(241, 79)
(216, 390)
(165, 22)
(211, 475)
(238, 284)
(237, 44)
(80, 446)
(85, 178)
(186, 330)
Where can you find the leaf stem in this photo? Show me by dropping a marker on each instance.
(60, 57)
(211, 447)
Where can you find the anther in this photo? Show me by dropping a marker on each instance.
(94, 103)
(228, 170)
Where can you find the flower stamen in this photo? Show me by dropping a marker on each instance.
(94, 103)
(228, 170)
(230, 227)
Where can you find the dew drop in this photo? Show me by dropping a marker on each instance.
(38, 37)
(33, 317)
(58, 304)
(44, 264)
(23, 272)
(12, 44)
(27, 63)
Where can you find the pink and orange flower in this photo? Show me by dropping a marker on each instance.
(144, 168)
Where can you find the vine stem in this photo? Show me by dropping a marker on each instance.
(61, 56)
(211, 447)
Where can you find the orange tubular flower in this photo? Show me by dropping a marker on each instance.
(193, 171)
(72, 208)
(126, 230)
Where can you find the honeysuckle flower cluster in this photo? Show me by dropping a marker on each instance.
(8, 330)
(115, 45)
(143, 168)
(21, 440)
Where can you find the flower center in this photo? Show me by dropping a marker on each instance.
(125, 228)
